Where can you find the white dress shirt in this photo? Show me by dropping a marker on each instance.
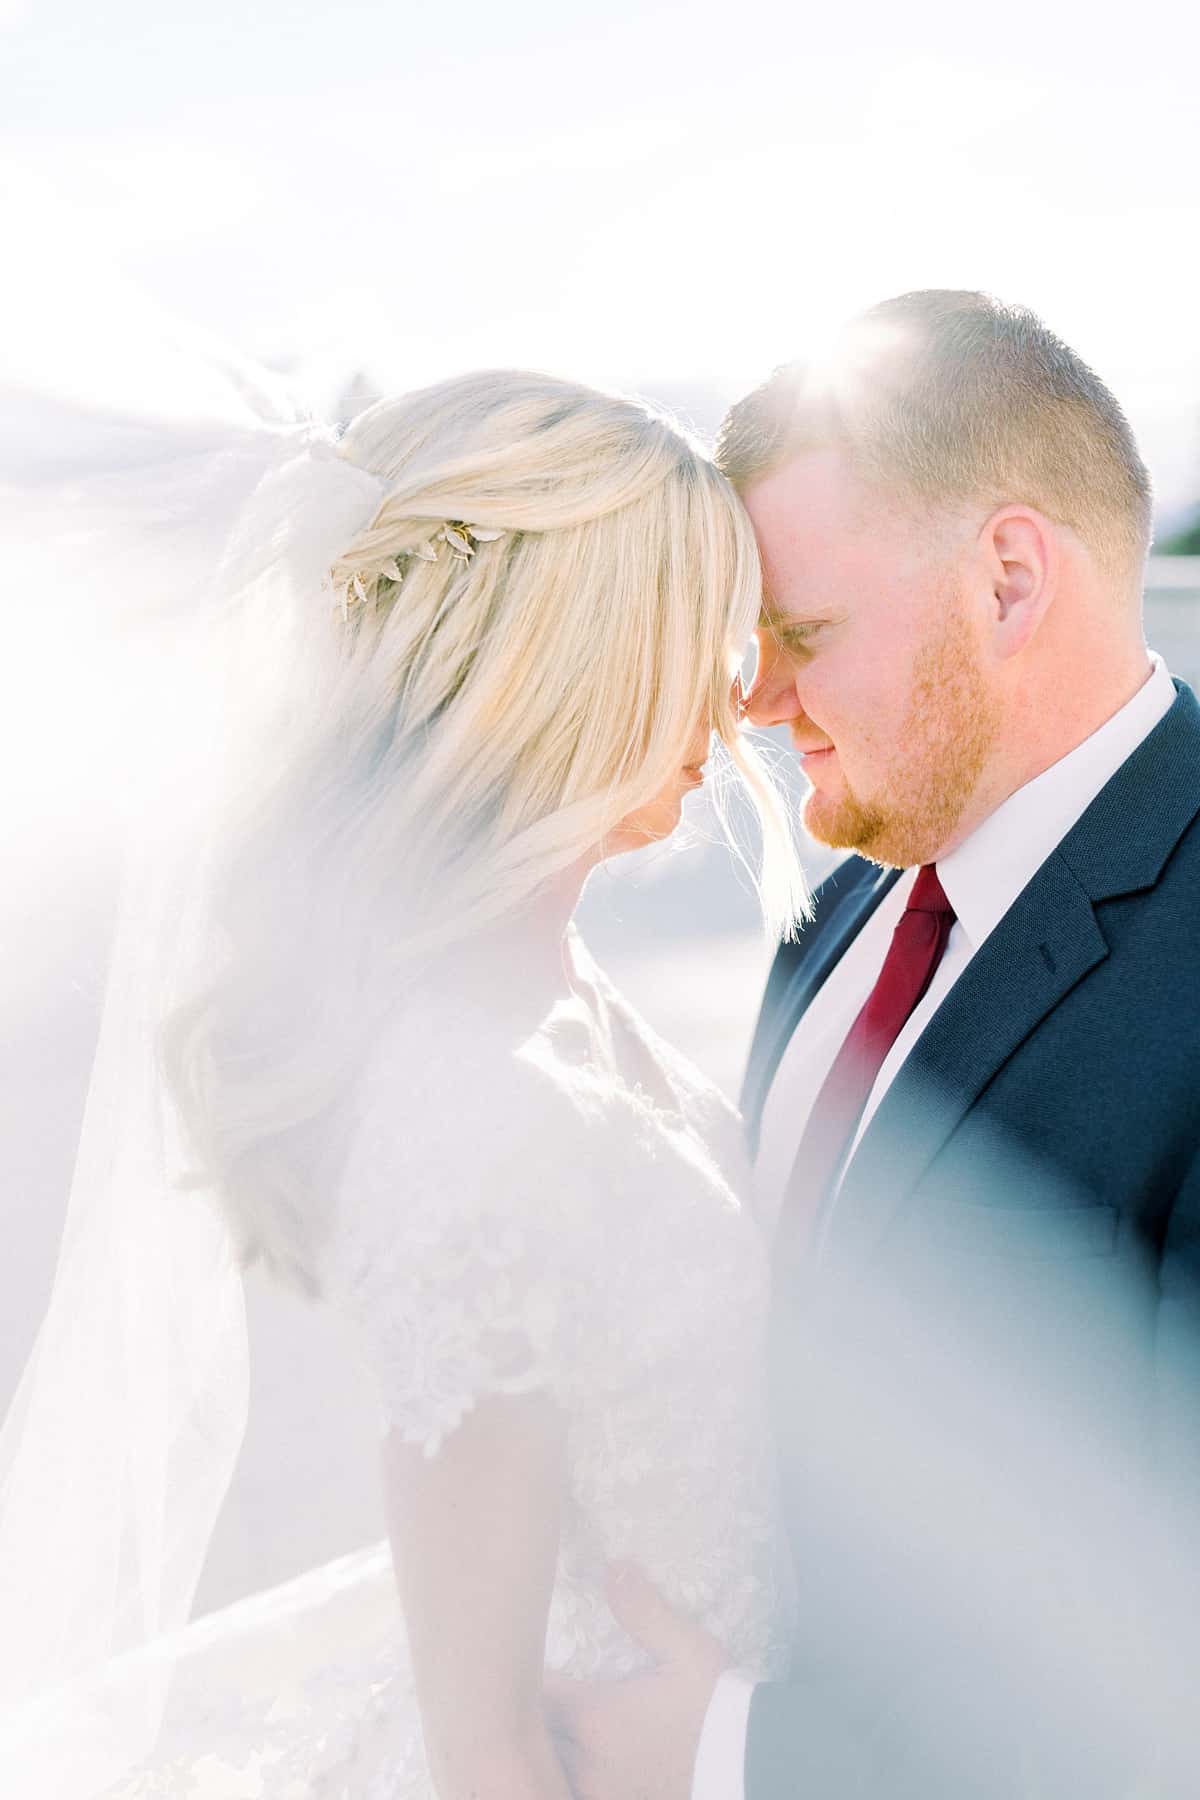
(981, 879)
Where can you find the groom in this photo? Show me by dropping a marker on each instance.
(974, 1102)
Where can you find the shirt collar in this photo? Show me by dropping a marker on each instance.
(984, 875)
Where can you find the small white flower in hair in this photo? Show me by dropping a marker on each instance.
(425, 552)
(353, 590)
(460, 544)
(463, 538)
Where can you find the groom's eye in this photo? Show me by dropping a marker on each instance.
(797, 637)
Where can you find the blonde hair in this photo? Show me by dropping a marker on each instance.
(481, 727)
(947, 396)
(581, 647)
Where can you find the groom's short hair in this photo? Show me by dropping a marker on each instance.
(954, 396)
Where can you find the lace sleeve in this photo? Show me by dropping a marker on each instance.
(456, 1252)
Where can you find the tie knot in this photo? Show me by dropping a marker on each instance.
(928, 895)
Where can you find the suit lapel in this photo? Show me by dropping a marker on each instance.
(1047, 942)
(808, 975)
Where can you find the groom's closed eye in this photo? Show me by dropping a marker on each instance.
(796, 637)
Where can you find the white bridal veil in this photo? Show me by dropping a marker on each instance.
(167, 523)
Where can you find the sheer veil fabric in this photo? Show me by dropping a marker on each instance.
(165, 548)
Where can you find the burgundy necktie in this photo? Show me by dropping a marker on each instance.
(915, 952)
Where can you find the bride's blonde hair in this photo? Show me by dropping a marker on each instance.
(481, 726)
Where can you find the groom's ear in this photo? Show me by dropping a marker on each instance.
(1020, 563)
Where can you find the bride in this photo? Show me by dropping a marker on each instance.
(465, 653)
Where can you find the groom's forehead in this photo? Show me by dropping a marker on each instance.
(824, 537)
(804, 560)
(805, 515)
(812, 480)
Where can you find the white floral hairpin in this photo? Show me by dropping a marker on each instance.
(460, 539)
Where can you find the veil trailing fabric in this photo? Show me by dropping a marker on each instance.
(178, 550)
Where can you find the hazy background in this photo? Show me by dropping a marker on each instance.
(667, 198)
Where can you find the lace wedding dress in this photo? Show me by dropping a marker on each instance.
(538, 1196)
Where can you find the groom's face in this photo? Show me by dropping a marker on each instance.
(872, 655)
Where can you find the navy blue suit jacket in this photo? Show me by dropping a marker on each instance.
(986, 1383)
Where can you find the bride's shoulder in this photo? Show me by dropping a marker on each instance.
(471, 1084)
(472, 1140)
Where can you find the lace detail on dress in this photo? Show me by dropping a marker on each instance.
(449, 1318)
(465, 1258)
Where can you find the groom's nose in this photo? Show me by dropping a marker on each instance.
(773, 699)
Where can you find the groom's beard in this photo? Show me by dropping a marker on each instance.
(948, 732)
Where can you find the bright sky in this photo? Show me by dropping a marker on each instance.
(674, 197)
